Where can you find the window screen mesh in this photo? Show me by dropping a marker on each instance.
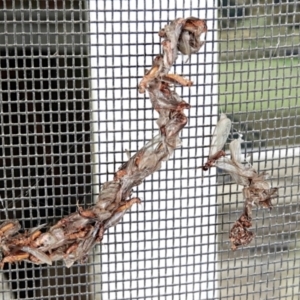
(70, 107)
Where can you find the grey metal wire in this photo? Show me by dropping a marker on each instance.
(259, 84)
(48, 130)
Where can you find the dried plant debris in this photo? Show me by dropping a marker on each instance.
(218, 141)
(256, 189)
(71, 238)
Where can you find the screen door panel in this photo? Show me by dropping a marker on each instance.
(70, 112)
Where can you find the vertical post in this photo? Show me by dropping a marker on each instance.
(168, 245)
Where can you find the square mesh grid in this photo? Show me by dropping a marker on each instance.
(70, 107)
(259, 87)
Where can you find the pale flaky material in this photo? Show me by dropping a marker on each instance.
(257, 191)
(71, 238)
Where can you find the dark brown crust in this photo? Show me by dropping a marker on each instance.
(211, 160)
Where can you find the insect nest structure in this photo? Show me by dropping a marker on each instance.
(71, 238)
(256, 189)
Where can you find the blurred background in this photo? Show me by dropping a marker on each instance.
(259, 86)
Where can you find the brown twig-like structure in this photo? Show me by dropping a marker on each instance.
(256, 191)
(71, 238)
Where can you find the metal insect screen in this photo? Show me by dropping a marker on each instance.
(70, 108)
